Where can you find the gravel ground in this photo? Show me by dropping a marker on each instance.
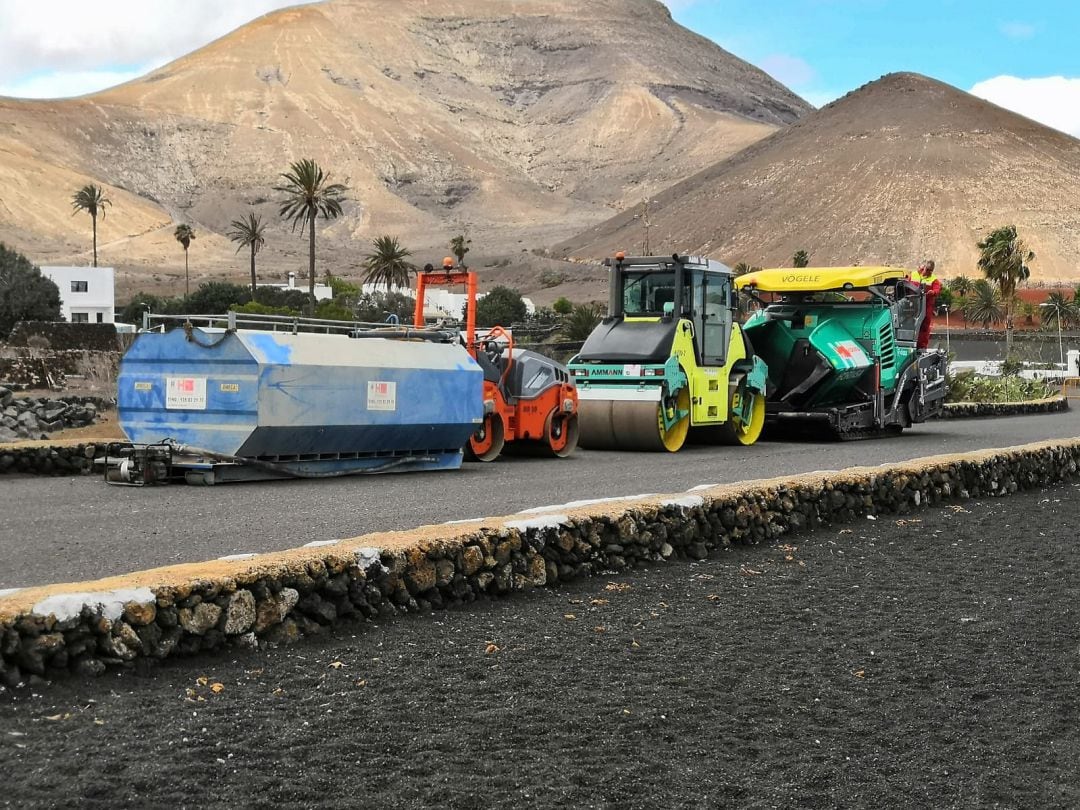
(929, 661)
(103, 530)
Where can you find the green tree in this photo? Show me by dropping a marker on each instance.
(92, 200)
(216, 297)
(741, 269)
(582, 322)
(1004, 259)
(500, 307)
(459, 246)
(562, 306)
(25, 294)
(309, 195)
(249, 233)
(800, 259)
(388, 264)
(185, 235)
(379, 306)
(141, 302)
(983, 304)
(279, 298)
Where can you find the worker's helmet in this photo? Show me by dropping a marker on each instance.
(447, 263)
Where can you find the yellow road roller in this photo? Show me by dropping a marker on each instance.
(670, 362)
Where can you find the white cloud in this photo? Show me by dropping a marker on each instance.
(58, 46)
(1053, 100)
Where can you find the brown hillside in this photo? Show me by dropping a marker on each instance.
(521, 120)
(903, 168)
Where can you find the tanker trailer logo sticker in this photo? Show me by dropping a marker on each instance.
(381, 396)
(185, 393)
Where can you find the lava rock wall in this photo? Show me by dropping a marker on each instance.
(84, 628)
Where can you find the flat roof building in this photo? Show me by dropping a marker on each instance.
(87, 294)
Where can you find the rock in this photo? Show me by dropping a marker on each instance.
(472, 560)
(537, 571)
(33, 651)
(666, 551)
(199, 619)
(140, 614)
(420, 576)
(125, 644)
(239, 613)
(272, 611)
(444, 573)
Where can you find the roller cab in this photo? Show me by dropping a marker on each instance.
(839, 344)
(669, 362)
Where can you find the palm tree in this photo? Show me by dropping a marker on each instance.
(388, 264)
(800, 259)
(961, 286)
(740, 269)
(248, 233)
(983, 304)
(1059, 311)
(459, 246)
(92, 200)
(1004, 261)
(185, 235)
(309, 195)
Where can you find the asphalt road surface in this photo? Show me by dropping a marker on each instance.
(70, 529)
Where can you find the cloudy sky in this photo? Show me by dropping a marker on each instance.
(1018, 55)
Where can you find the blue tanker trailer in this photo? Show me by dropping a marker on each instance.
(212, 404)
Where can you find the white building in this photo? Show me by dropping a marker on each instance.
(323, 292)
(87, 294)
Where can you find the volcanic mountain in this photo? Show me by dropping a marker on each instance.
(520, 121)
(901, 169)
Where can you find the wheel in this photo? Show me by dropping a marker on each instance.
(487, 443)
(561, 433)
(736, 430)
(675, 437)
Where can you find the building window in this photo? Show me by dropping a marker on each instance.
(80, 317)
(79, 286)
(101, 317)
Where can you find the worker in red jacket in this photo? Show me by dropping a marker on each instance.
(931, 287)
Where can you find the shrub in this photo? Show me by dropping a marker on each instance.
(582, 322)
(551, 278)
(563, 306)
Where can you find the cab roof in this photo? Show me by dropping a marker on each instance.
(819, 279)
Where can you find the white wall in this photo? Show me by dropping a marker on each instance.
(323, 292)
(87, 294)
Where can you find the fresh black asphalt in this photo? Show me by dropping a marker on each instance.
(69, 529)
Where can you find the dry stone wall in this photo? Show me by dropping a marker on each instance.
(85, 628)
(971, 410)
(50, 458)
